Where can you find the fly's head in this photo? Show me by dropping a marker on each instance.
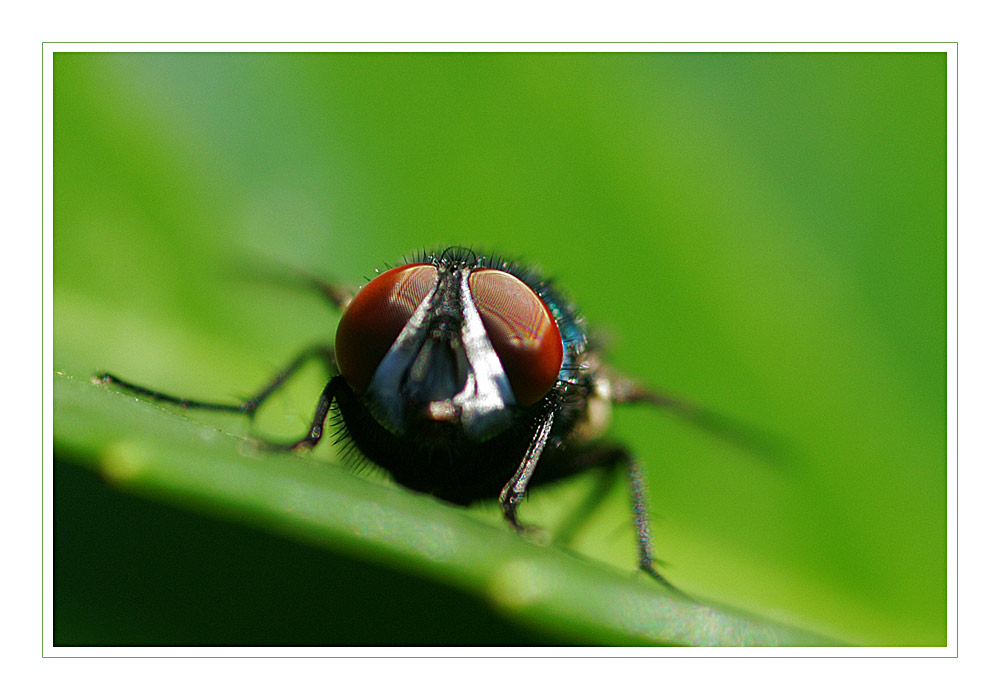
(456, 346)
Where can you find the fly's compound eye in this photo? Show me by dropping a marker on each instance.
(375, 318)
(522, 331)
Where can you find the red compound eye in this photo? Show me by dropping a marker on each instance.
(376, 316)
(522, 331)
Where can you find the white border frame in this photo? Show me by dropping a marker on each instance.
(951, 650)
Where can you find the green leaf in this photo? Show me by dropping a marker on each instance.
(762, 234)
(149, 450)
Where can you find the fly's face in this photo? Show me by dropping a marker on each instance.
(449, 346)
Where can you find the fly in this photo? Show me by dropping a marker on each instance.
(466, 377)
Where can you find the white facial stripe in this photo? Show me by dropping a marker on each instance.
(487, 392)
(383, 389)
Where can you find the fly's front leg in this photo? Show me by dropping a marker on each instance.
(311, 438)
(513, 493)
(324, 352)
(248, 407)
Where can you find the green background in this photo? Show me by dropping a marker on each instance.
(761, 233)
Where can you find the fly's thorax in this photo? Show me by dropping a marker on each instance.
(595, 418)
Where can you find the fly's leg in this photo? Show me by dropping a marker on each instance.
(248, 407)
(338, 295)
(312, 437)
(580, 515)
(640, 519)
(574, 461)
(629, 391)
(513, 493)
(609, 458)
(295, 277)
(746, 437)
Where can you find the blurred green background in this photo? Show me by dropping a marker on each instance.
(761, 233)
